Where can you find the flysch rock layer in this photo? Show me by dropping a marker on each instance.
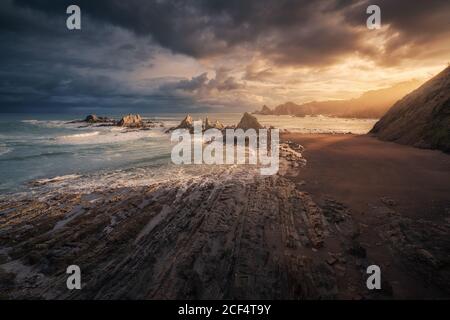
(231, 234)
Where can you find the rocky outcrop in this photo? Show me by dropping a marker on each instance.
(371, 104)
(249, 122)
(92, 118)
(188, 123)
(216, 125)
(224, 234)
(131, 121)
(251, 237)
(207, 124)
(422, 118)
(421, 245)
(265, 110)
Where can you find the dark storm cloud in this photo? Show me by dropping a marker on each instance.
(43, 63)
(298, 32)
(45, 67)
(201, 84)
(414, 26)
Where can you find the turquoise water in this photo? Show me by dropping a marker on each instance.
(41, 146)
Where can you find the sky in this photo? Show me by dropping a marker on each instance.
(216, 56)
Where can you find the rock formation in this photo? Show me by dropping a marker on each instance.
(207, 124)
(92, 118)
(249, 122)
(216, 125)
(186, 123)
(265, 110)
(223, 235)
(131, 121)
(371, 104)
(422, 118)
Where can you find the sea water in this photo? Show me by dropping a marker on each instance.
(41, 148)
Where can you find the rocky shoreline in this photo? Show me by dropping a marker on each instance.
(131, 121)
(195, 228)
(229, 233)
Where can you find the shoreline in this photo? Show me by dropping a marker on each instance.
(231, 234)
(384, 185)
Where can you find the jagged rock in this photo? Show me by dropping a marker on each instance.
(92, 118)
(249, 122)
(265, 110)
(251, 237)
(216, 125)
(186, 123)
(208, 125)
(131, 121)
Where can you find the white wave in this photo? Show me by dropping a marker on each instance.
(56, 179)
(49, 123)
(4, 149)
(79, 135)
(111, 135)
(79, 138)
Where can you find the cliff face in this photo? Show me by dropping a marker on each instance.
(421, 118)
(371, 104)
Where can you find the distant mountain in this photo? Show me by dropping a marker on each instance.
(422, 118)
(264, 110)
(371, 104)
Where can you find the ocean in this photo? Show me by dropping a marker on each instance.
(40, 149)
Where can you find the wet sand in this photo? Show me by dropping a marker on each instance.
(383, 183)
(360, 170)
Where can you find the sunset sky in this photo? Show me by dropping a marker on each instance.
(224, 55)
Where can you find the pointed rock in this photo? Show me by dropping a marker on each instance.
(218, 125)
(249, 122)
(186, 123)
(208, 125)
(265, 110)
(131, 121)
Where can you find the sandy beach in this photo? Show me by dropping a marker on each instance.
(380, 183)
(358, 169)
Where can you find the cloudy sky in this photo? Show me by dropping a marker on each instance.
(221, 55)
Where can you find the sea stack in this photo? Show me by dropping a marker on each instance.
(216, 125)
(421, 118)
(265, 110)
(249, 122)
(208, 125)
(131, 121)
(93, 118)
